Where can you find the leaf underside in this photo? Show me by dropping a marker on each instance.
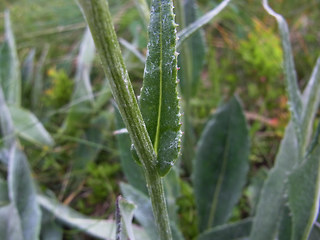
(159, 98)
(221, 165)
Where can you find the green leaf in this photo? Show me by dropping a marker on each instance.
(285, 227)
(315, 233)
(195, 26)
(143, 10)
(10, 226)
(38, 82)
(132, 171)
(272, 197)
(229, 231)
(49, 229)
(311, 99)
(304, 192)
(22, 193)
(82, 98)
(10, 78)
(4, 197)
(101, 229)
(295, 99)
(192, 53)
(143, 212)
(127, 210)
(159, 98)
(221, 164)
(6, 123)
(27, 72)
(27, 126)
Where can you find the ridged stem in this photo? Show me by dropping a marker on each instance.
(100, 23)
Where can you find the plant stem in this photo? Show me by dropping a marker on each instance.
(100, 23)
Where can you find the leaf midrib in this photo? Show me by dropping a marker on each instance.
(156, 141)
(220, 180)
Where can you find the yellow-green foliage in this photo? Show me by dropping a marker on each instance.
(60, 90)
(262, 51)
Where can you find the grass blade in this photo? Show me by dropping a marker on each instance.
(221, 165)
(230, 231)
(159, 98)
(305, 179)
(195, 26)
(10, 78)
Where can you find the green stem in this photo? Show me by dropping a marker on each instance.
(100, 23)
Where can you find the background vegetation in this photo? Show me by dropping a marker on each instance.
(242, 55)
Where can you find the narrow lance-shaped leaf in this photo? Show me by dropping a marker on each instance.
(304, 190)
(127, 210)
(232, 231)
(295, 101)
(10, 226)
(311, 99)
(195, 26)
(221, 165)
(159, 98)
(29, 127)
(6, 123)
(10, 78)
(132, 171)
(98, 228)
(22, 193)
(266, 221)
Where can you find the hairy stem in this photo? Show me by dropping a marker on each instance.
(100, 23)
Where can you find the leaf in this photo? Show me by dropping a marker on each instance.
(6, 124)
(285, 227)
(49, 229)
(159, 98)
(10, 227)
(237, 230)
(27, 71)
(272, 197)
(311, 99)
(221, 165)
(4, 198)
(305, 179)
(315, 233)
(295, 99)
(143, 10)
(192, 53)
(22, 193)
(82, 94)
(38, 82)
(101, 229)
(195, 26)
(27, 126)
(10, 78)
(91, 143)
(143, 212)
(132, 171)
(126, 210)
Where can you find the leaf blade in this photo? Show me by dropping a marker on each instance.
(306, 179)
(10, 78)
(159, 98)
(221, 162)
